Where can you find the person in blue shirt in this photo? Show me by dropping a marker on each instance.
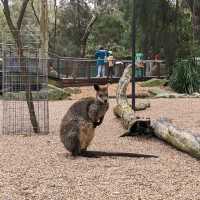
(101, 56)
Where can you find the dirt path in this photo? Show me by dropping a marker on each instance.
(36, 168)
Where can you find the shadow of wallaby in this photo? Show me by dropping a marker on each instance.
(98, 154)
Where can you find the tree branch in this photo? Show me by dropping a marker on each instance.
(190, 3)
(34, 11)
(6, 11)
(88, 28)
(22, 12)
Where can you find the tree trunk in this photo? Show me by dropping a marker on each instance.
(44, 31)
(83, 48)
(25, 77)
(55, 24)
(194, 6)
(34, 12)
(196, 20)
(15, 31)
(86, 34)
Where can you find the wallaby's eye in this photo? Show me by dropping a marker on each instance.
(100, 95)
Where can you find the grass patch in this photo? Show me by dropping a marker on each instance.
(154, 83)
(54, 94)
(53, 82)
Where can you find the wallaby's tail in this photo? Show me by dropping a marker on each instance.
(120, 154)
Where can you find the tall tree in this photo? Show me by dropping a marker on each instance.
(76, 20)
(44, 30)
(55, 23)
(15, 30)
(194, 6)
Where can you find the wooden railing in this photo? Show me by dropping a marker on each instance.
(75, 68)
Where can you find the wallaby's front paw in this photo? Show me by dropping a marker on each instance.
(95, 124)
(98, 123)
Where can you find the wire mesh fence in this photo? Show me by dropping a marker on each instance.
(25, 83)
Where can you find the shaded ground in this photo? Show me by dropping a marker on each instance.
(38, 168)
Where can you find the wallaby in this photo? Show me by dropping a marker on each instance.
(78, 125)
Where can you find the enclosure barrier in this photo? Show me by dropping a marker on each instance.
(24, 87)
(16, 116)
(82, 71)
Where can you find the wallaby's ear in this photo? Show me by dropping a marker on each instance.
(96, 87)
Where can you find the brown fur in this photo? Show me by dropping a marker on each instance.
(78, 125)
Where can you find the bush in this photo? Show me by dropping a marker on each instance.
(185, 77)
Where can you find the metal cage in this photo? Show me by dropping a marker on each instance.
(22, 76)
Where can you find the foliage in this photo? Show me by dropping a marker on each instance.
(186, 76)
(108, 32)
(73, 20)
(161, 25)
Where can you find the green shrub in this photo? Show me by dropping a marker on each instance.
(185, 77)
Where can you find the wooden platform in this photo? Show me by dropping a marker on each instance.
(70, 82)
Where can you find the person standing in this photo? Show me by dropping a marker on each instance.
(100, 56)
(110, 64)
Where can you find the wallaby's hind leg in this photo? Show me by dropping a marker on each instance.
(76, 150)
(72, 143)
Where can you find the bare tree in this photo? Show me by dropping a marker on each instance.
(34, 11)
(16, 33)
(86, 34)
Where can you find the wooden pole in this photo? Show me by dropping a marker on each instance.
(133, 53)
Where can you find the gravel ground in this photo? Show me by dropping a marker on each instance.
(89, 91)
(38, 167)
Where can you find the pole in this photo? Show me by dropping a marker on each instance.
(133, 53)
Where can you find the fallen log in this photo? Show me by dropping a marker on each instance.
(123, 108)
(181, 139)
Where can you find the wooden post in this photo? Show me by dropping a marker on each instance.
(133, 53)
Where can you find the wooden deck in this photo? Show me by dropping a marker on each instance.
(70, 82)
